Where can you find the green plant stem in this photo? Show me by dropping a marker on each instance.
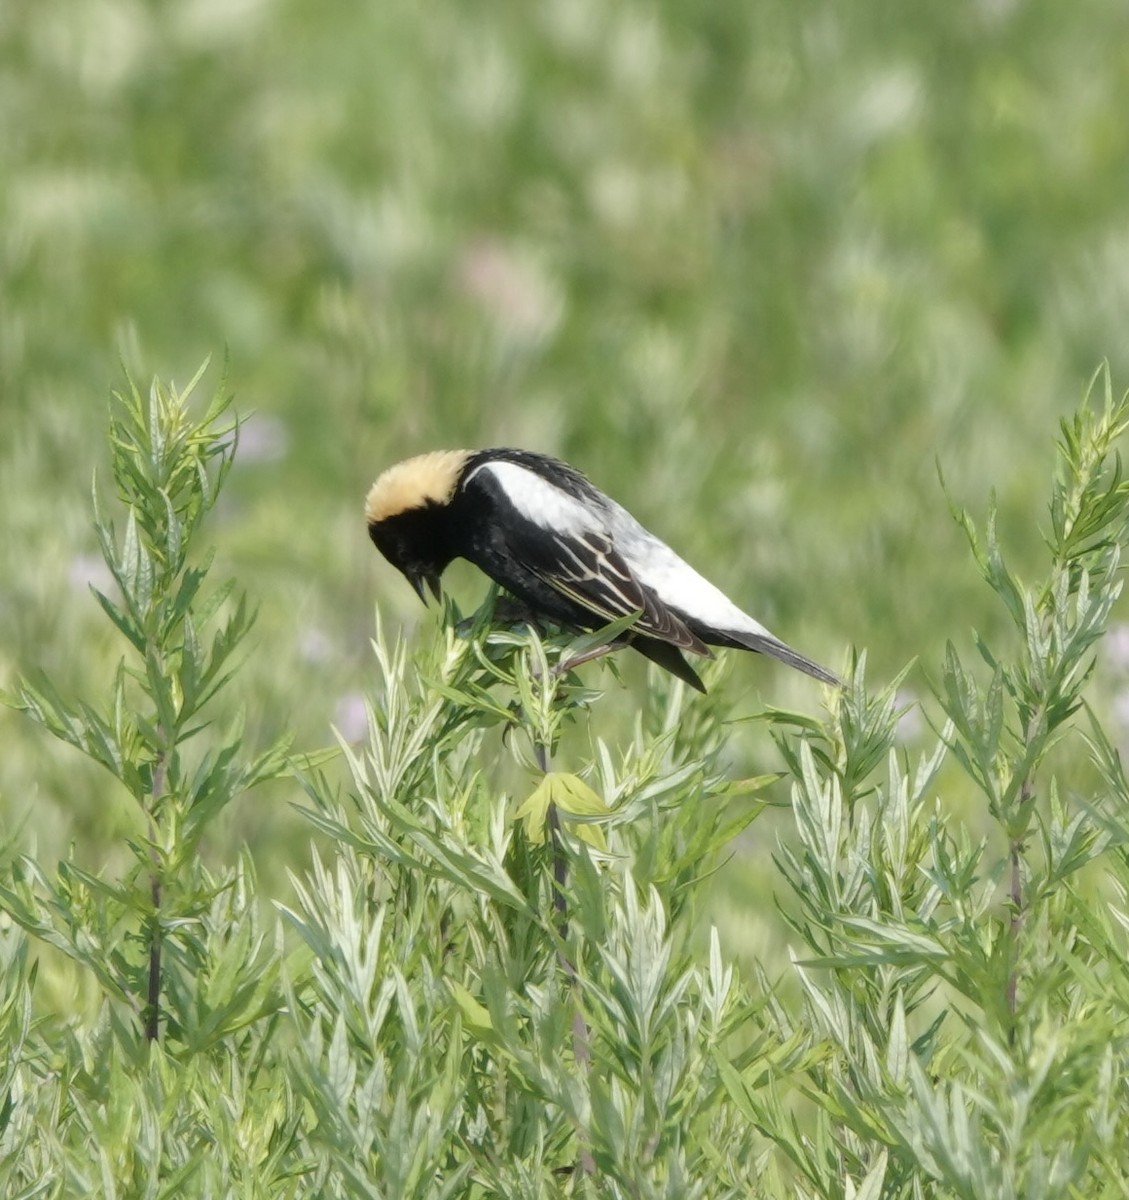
(560, 879)
(1016, 897)
(1015, 889)
(560, 863)
(153, 1005)
(581, 1043)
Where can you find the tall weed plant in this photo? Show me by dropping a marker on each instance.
(476, 993)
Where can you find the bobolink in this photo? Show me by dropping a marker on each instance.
(560, 546)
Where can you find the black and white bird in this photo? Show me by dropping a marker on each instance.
(569, 553)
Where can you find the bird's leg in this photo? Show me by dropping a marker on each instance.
(508, 610)
(577, 660)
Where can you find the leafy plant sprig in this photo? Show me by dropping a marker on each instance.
(963, 1005)
(168, 466)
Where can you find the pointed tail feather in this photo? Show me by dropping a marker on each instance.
(669, 658)
(767, 644)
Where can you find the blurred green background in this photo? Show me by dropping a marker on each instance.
(756, 268)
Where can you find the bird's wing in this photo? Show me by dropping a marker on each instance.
(590, 571)
(566, 540)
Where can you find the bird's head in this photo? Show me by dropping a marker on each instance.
(407, 511)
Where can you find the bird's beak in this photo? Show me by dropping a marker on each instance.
(431, 580)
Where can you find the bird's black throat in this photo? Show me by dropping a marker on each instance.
(419, 541)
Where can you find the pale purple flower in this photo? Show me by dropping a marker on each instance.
(86, 571)
(910, 722)
(350, 716)
(263, 438)
(1120, 708)
(512, 288)
(315, 645)
(1115, 646)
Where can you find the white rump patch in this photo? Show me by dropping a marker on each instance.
(674, 581)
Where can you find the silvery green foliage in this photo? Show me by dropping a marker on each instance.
(521, 1043)
(963, 972)
(495, 976)
(138, 1070)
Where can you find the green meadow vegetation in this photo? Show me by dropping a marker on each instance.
(305, 891)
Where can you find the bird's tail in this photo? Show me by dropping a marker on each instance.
(765, 643)
(669, 658)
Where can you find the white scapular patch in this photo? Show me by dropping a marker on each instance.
(542, 502)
